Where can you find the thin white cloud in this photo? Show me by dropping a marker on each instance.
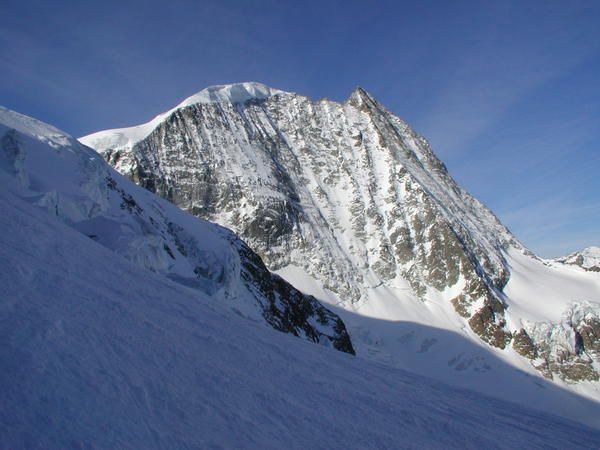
(497, 71)
(556, 225)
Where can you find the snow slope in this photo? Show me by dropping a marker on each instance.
(542, 290)
(98, 352)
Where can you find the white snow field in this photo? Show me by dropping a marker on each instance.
(101, 350)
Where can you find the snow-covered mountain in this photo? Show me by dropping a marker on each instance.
(348, 203)
(588, 259)
(142, 351)
(58, 174)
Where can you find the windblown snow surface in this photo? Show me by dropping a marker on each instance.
(97, 352)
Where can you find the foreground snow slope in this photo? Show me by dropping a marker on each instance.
(99, 352)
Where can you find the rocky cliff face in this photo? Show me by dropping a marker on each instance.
(345, 191)
(70, 181)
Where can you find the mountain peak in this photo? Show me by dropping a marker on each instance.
(360, 96)
(235, 93)
(358, 90)
(231, 93)
(347, 201)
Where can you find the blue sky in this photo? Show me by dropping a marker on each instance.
(508, 93)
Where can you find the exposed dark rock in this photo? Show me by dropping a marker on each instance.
(523, 344)
(574, 370)
(490, 327)
(589, 330)
(289, 310)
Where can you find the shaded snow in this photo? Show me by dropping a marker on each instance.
(74, 183)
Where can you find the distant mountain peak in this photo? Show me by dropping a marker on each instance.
(588, 259)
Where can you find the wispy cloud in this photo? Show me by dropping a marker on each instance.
(505, 61)
(556, 225)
